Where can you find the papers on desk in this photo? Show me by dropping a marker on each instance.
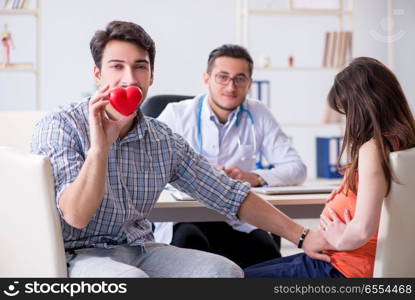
(178, 195)
(309, 187)
(306, 188)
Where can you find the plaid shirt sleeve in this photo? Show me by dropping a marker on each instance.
(54, 137)
(196, 177)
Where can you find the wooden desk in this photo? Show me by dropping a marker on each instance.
(295, 206)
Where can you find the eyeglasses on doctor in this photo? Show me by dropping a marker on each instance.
(239, 81)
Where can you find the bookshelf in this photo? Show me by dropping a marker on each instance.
(249, 15)
(19, 67)
(18, 11)
(22, 10)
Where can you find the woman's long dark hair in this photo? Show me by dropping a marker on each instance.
(370, 96)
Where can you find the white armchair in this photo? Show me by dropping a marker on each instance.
(16, 128)
(396, 238)
(30, 231)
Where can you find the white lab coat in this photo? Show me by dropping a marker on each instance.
(235, 145)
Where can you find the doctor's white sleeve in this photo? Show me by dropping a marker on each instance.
(276, 148)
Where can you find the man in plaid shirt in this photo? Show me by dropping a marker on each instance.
(109, 173)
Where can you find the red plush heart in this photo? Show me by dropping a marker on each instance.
(126, 101)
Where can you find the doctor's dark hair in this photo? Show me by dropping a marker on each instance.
(372, 99)
(230, 50)
(121, 31)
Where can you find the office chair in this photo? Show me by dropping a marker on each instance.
(30, 230)
(154, 105)
(396, 239)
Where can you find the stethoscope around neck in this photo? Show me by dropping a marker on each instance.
(242, 110)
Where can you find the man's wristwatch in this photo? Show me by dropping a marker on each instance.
(261, 181)
(302, 237)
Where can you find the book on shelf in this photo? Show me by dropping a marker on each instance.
(337, 49)
(8, 4)
(349, 47)
(22, 4)
(14, 4)
(333, 49)
(330, 44)
(326, 46)
(342, 49)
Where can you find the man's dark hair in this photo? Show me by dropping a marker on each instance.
(230, 50)
(121, 31)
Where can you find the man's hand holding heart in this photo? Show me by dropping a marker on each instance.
(124, 102)
(103, 130)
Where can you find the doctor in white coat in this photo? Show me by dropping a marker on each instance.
(231, 131)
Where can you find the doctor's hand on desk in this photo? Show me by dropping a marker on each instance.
(236, 173)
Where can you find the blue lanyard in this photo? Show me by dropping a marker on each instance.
(199, 120)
